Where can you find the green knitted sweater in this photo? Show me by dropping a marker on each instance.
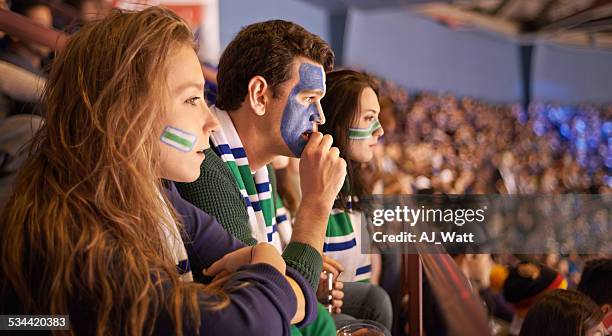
(217, 193)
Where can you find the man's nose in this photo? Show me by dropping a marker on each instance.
(319, 116)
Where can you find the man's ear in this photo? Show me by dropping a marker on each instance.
(607, 309)
(256, 96)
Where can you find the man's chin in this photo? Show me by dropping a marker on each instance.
(294, 151)
(300, 148)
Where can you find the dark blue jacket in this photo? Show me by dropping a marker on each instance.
(263, 307)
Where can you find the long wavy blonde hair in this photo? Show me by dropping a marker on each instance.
(83, 224)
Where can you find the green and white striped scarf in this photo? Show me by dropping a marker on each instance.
(175, 245)
(342, 238)
(343, 243)
(255, 187)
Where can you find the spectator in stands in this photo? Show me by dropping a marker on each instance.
(496, 304)
(476, 268)
(27, 56)
(595, 283)
(383, 169)
(15, 134)
(3, 6)
(271, 78)
(92, 230)
(18, 87)
(19, 84)
(90, 10)
(466, 146)
(451, 141)
(20, 91)
(525, 284)
(563, 313)
(352, 109)
(387, 115)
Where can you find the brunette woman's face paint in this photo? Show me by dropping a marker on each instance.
(356, 133)
(301, 110)
(366, 130)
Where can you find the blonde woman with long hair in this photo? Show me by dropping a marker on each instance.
(94, 230)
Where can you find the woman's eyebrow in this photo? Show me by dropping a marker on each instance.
(184, 86)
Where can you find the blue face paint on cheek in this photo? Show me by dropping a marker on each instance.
(297, 117)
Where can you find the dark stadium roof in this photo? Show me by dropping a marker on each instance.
(581, 22)
(537, 15)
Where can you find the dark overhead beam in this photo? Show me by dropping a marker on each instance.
(541, 16)
(596, 25)
(500, 7)
(598, 10)
(541, 19)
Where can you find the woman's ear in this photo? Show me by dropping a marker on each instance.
(256, 96)
(607, 309)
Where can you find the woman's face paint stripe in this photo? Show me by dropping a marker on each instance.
(363, 133)
(179, 139)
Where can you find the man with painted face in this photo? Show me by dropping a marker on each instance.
(271, 79)
(303, 110)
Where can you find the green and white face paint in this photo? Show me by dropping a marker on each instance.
(179, 139)
(364, 133)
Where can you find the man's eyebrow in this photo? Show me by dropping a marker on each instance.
(184, 86)
(312, 91)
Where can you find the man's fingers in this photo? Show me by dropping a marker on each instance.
(342, 165)
(336, 303)
(330, 269)
(313, 142)
(337, 295)
(339, 285)
(334, 263)
(326, 143)
(334, 152)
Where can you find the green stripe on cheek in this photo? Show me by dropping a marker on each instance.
(178, 139)
(363, 133)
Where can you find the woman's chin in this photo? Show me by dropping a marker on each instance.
(363, 157)
(185, 176)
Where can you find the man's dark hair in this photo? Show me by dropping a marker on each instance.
(596, 280)
(266, 49)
